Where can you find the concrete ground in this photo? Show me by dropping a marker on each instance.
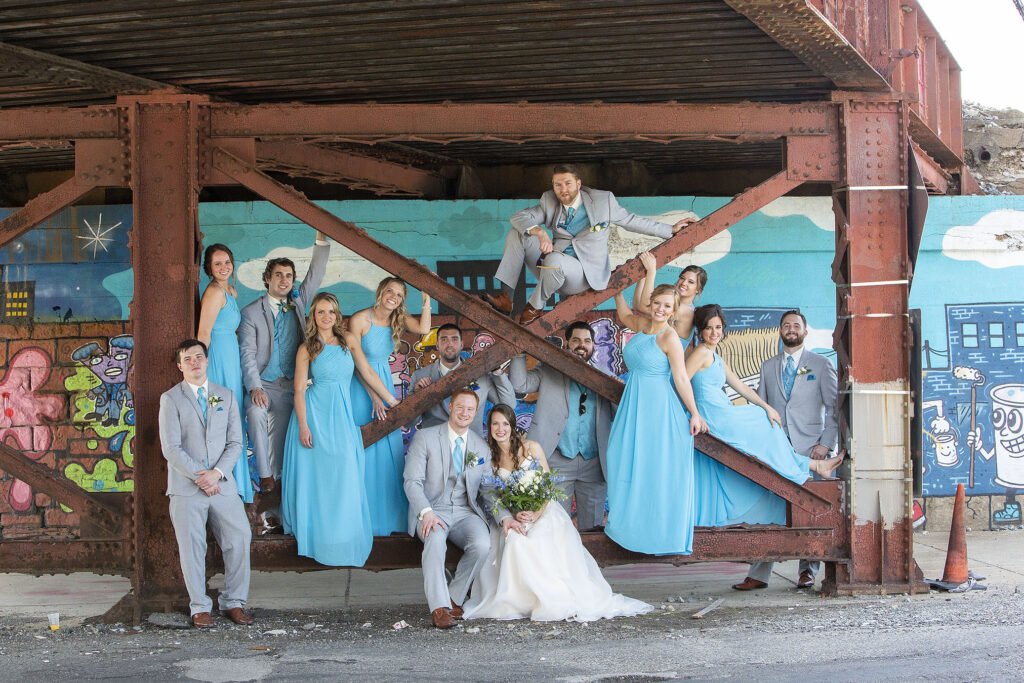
(339, 624)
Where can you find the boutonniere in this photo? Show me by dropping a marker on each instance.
(599, 227)
(475, 386)
(803, 371)
(214, 399)
(472, 459)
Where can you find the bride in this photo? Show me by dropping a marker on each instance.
(545, 574)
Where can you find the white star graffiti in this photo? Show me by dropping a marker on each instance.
(97, 235)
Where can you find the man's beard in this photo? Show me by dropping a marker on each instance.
(584, 356)
(449, 361)
(792, 345)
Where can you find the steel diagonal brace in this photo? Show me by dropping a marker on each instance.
(356, 239)
(42, 207)
(61, 489)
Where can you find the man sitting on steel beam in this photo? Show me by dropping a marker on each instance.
(201, 438)
(579, 218)
(494, 386)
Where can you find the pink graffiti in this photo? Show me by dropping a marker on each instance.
(21, 420)
(481, 341)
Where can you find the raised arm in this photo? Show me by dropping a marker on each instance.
(645, 287)
(317, 268)
(670, 345)
(421, 325)
(626, 315)
(501, 390)
(523, 381)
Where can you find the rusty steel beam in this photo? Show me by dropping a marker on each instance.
(451, 122)
(64, 557)
(43, 206)
(43, 67)
(417, 403)
(63, 490)
(164, 244)
(933, 145)
(346, 168)
(935, 177)
(757, 471)
(356, 239)
(800, 28)
(59, 123)
(737, 544)
(744, 204)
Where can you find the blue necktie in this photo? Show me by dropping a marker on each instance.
(457, 456)
(788, 376)
(202, 403)
(569, 213)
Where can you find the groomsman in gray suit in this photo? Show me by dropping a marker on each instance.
(801, 386)
(201, 438)
(443, 470)
(493, 387)
(575, 256)
(269, 335)
(571, 423)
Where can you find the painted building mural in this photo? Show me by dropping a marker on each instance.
(64, 377)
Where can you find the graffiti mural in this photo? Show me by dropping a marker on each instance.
(25, 413)
(101, 401)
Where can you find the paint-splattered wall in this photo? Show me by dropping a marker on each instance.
(75, 269)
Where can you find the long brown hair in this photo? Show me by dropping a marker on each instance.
(701, 275)
(313, 343)
(397, 319)
(515, 444)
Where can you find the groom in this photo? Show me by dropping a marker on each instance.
(579, 218)
(269, 334)
(443, 469)
(801, 386)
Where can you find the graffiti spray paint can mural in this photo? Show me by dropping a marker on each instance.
(1008, 432)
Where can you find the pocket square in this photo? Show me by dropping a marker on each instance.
(810, 377)
(220, 410)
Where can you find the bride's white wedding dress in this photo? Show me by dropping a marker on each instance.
(546, 575)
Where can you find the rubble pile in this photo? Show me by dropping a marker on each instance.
(994, 147)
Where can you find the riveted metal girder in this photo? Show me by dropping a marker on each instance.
(99, 508)
(65, 557)
(43, 206)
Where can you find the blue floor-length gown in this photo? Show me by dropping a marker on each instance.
(650, 458)
(323, 500)
(385, 460)
(225, 368)
(723, 496)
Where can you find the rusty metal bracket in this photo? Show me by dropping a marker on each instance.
(61, 489)
(65, 557)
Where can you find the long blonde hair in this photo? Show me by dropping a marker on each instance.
(397, 319)
(314, 345)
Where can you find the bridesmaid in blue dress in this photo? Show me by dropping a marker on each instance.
(323, 497)
(650, 448)
(218, 320)
(689, 287)
(755, 428)
(376, 330)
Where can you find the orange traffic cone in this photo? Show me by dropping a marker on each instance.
(956, 553)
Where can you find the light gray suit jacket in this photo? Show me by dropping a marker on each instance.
(496, 388)
(190, 446)
(591, 247)
(256, 330)
(809, 416)
(552, 410)
(428, 465)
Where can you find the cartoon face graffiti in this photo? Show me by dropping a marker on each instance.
(1008, 432)
(111, 369)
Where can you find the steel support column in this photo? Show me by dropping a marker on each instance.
(165, 192)
(872, 334)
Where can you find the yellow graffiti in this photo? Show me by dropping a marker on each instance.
(102, 478)
(81, 385)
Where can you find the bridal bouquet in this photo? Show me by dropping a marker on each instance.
(526, 490)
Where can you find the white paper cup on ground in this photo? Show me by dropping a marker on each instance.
(54, 618)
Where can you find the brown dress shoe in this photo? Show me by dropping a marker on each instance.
(749, 584)
(500, 302)
(529, 314)
(202, 620)
(442, 618)
(455, 611)
(806, 579)
(236, 615)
